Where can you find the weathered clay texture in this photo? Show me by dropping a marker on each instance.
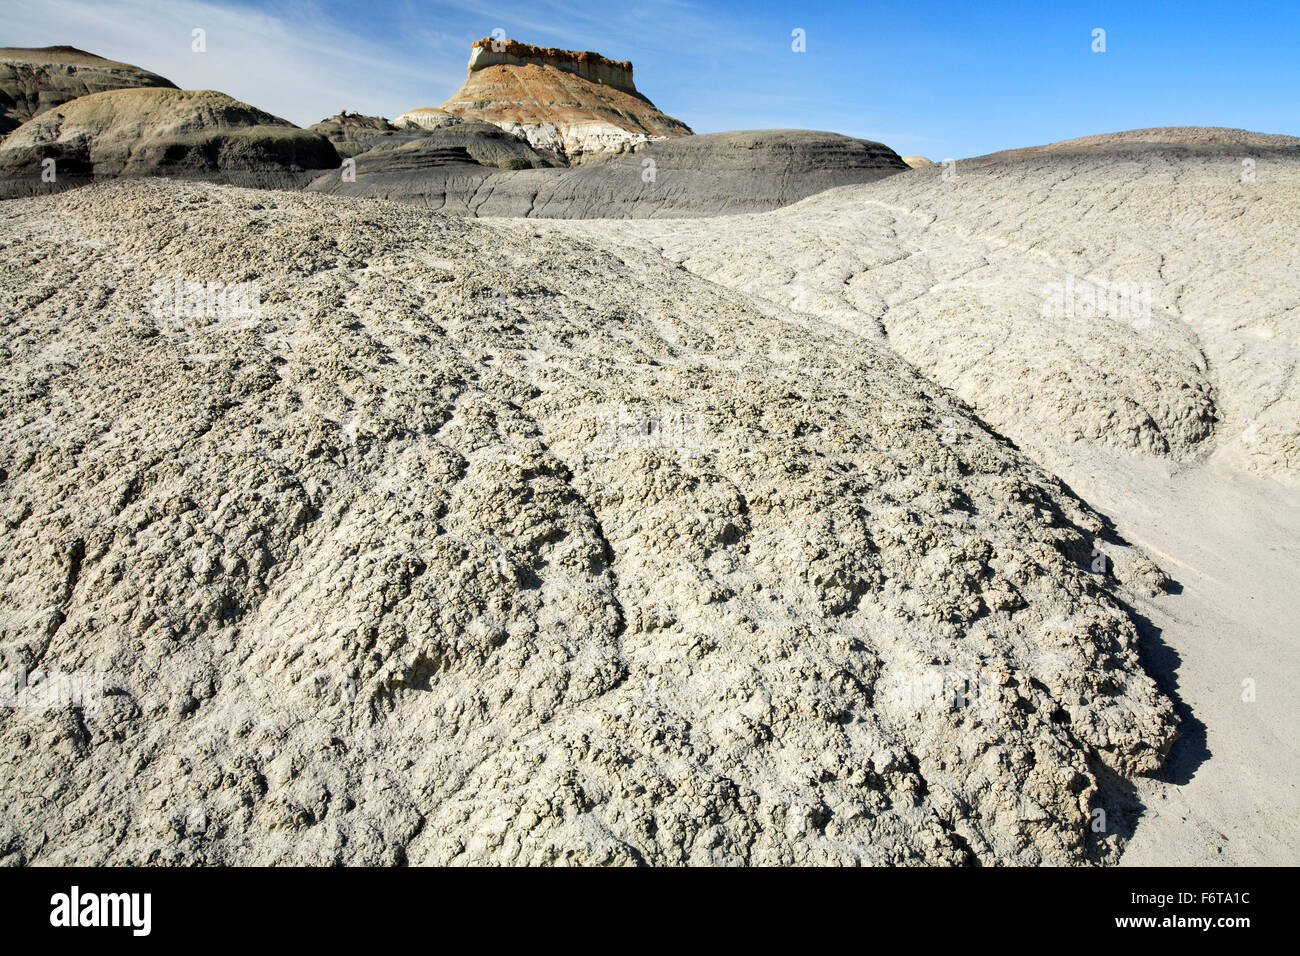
(1136, 289)
(481, 542)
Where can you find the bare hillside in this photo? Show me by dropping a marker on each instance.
(398, 537)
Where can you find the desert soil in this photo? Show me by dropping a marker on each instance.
(836, 534)
(1181, 426)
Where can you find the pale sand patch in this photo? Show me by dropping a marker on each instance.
(1232, 543)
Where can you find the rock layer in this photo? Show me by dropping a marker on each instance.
(712, 174)
(577, 104)
(583, 63)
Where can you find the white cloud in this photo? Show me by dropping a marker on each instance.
(293, 63)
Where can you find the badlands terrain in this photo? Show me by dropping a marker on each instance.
(503, 504)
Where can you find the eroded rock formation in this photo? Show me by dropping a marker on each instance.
(353, 133)
(150, 132)
(35, 80)
(573, 103)
(426, 117)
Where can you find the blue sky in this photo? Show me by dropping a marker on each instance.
(938, 78)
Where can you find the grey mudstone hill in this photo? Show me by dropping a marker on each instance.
(705, 175)
(433, 138)
(188, 134)
(35, 80)
(1172, 142)
(480, 541)
(407, 151)
(353, 133)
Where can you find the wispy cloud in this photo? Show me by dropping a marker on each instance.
(675, 27)
(967, 78)
(288, 59)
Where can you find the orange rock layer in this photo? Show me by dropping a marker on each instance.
(573, 102)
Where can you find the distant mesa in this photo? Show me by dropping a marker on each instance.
(916, 162)
(574, 103)
(35, 80)
(199, 134)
